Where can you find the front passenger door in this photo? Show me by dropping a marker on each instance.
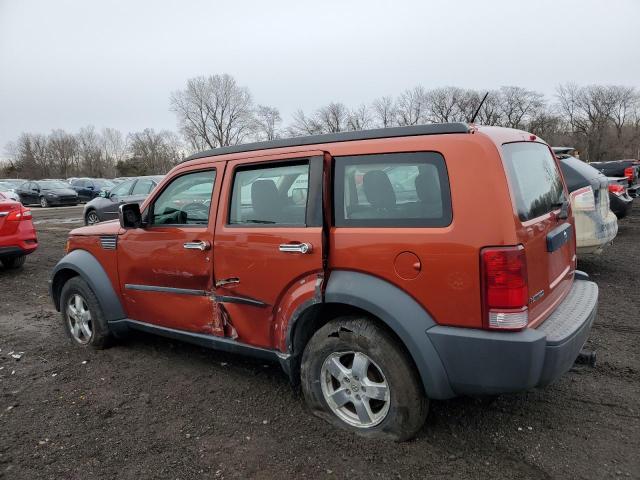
(166, 267)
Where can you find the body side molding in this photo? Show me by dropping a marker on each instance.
(402, 314)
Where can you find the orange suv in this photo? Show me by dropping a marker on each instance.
(381, 268)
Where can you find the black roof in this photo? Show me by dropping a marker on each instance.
(410, 131)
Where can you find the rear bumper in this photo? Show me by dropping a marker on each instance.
(593, 232)
(620, 204)
(486, 362)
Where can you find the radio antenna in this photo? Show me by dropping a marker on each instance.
(473, 119)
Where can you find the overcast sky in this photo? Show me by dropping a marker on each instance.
(69, 63)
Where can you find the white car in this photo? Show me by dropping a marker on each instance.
(8, 191)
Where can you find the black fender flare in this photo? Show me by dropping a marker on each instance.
(402, 314)
(88, 267)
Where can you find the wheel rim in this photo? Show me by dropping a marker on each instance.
(355, 389)
(92, 218)
(43, 202)
(79, 319)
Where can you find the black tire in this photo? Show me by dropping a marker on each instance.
(407, 403)
(44, 203)
(100, 336)
(87, 216)
(14, 262)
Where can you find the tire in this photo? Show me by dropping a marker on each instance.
(44, 203)
(87, 218)
(397, 414)
(90, 332)
(14, 262)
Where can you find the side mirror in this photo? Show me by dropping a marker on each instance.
(130, 216)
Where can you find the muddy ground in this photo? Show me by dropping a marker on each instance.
(155, 408)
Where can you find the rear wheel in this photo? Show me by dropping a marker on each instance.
(44, 203)
(358, 378)
(14, 262)
(83, 319)
(91, 217)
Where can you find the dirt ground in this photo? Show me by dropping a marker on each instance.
(154, 408)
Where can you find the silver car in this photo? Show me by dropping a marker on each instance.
(105, 207)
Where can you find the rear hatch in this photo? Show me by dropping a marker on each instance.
(539, 196)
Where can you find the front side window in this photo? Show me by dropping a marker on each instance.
(392, 190)
(185, 201)
(122, 189)
(271, 195)
(534, 178)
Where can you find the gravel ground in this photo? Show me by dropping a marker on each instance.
(154, 408)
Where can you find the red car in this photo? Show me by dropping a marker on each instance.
(17, 234)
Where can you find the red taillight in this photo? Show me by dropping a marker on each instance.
(617, 189)
(19, 214)
(630, 173)
(505, 288)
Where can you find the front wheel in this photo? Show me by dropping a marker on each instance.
(357, 377)
(91, 218)
(82, 315)
(44, 203)
(14, 262)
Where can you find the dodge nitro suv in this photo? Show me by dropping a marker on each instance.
(381, 268)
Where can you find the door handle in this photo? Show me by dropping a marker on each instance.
(227, 281)
(199, 245)
(296, 247)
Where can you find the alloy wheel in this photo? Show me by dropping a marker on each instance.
(92, 218)
(79, 319)
(355, 389)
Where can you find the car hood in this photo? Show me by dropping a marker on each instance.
(60, 191)
(111, 227)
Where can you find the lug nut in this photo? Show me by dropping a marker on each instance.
(348, 392)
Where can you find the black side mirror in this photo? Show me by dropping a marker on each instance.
(130, 216)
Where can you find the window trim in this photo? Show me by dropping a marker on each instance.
(149, 211)
(339, 165)
(313, 209)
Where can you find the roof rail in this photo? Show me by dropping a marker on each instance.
(409, 131)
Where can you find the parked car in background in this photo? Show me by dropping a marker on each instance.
(47, 193)
(630, 169)
(9, 191)
(596, 224)
(619, 199)
(105, 206)
(338, 255)
(90, 188)
(17, 234)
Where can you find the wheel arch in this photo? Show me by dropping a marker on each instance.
(82, 263)
(348, 293)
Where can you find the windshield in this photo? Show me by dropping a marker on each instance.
(52, 184)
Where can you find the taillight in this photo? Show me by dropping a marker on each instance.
(630, 173)
(505, 288)
(19, 214)
(617, 189)
(583, 199)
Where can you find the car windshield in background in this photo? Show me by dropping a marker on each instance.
(52, 184)
(4, 186)
(534, 178)
(101, 183)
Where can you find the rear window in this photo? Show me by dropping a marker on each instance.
(535, 181)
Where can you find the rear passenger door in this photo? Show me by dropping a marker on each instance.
(269, 235)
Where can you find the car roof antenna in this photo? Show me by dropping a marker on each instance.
(473, 119)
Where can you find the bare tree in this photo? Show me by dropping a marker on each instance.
(63, 150)
(359, 118)
(411, 106)
(214, 111)
(333, 118)
(268, 122)
(384, 111)
(518, 106)
(152, 152)
(303, 125)
(444, 104)
(114, 148)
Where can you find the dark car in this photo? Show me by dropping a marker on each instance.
(619, 198)
(47, 193)
(622, 168)
(105, 206)
(90, 188)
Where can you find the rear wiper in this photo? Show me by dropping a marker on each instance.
(564, 209)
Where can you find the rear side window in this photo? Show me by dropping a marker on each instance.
(270, 195)
(534, 177)
(143, 187)
(392, 190)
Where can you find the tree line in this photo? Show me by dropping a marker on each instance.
(601, 121)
